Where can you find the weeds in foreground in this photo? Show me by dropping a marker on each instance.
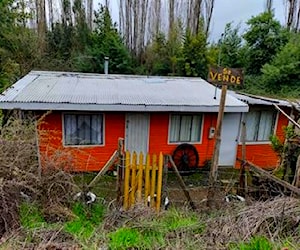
(87, 219)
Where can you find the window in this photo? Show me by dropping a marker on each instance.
(185, 128)
(83, 129)
(260, 125)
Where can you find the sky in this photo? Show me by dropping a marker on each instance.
(225, 11)
(238, 12)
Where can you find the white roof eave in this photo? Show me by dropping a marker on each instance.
(119, 107)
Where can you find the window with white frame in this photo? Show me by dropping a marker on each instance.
(83, 129)
(260, 125)
(185, 128)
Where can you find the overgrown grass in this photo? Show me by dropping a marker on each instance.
(31, 216)
(86, 221)
(158, 232)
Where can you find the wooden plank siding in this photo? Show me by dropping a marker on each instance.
(93, 158)
(262, 154)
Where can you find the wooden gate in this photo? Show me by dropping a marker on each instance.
(143, 180)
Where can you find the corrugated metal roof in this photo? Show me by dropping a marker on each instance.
(259, 100)
(78, 91)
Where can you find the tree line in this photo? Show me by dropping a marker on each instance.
(153, 37)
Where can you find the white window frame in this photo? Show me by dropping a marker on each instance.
(274, 127)
(191, 142)
(82, 145)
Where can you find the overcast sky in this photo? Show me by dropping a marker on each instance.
(239, 11)
(225, 11)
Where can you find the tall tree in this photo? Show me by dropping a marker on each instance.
(264, 39)
(105, 42)
(17, 43)
(283, 73)
(268, 5)
(194, 61)
(229, 46)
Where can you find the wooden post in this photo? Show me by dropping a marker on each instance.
(103, 170)
(264, 173)
(153, 180)
(140, 178)
(159, 181)
(133, 179)
(242, 184)
(287, 116)
(126, 181)
(213, 175)
(120, 169)
(182, 184)
(296, 181)
(147, 178)
(214, 168)
(165, 178)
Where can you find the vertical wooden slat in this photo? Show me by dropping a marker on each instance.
(153, 180)
(133, 179)
(140, 178)
(159, 181)
(126, 180)
(147, 178)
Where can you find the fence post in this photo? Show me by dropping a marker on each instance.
(153, 180)
(159, 181)
(126, 181)
(133, 179)
(140, 178)
(120, 169)
(147, 178)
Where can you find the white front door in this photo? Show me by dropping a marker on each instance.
(229, 139)
(137, 132)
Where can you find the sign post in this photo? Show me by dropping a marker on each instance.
(224, 77)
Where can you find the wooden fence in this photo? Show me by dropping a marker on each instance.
(143, 180)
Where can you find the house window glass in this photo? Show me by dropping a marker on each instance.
(260, 125)
(83, 129)
(185, 128)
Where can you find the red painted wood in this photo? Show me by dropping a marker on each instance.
(262, 154)
(91, 158)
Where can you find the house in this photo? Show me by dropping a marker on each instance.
(261, 121)
(85, 114)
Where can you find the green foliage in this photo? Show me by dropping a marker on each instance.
(175, 220)
(105, 42)
(230, 46)
(277, 145)
(256, 243)
(31, 216)
(86, 221)
(284, 69)
(264, 39)
(194, 55)
(289, 131)
(125, 238)
(152, 234)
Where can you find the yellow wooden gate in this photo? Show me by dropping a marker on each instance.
(143, 180)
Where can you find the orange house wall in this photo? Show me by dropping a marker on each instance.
(93, 158)
(159, 136)
(262, 154)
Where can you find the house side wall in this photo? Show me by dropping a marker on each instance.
(92, 158)
(159, 130)
(83, 158)
(262, 154)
